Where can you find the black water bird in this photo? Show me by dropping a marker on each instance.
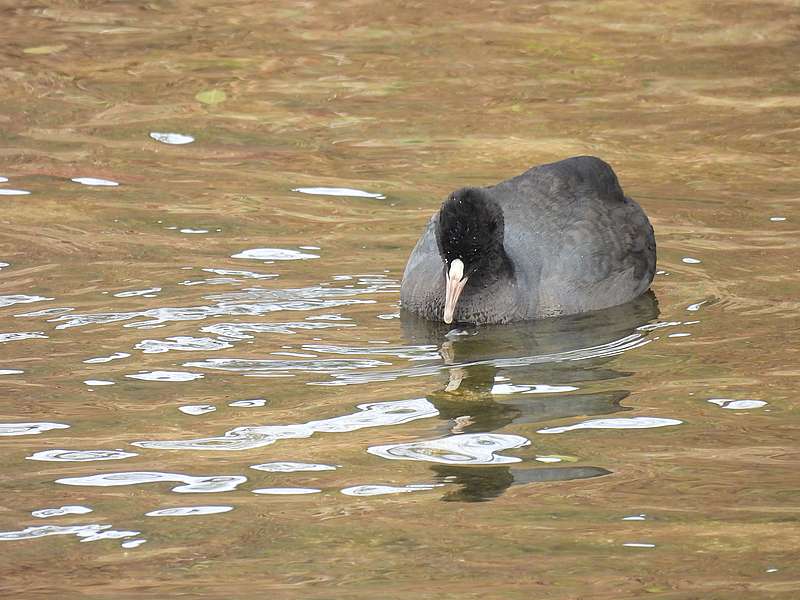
(560, 239)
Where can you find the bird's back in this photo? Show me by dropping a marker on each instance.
(577, 242)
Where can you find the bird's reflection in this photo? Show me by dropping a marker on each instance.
(565, 353)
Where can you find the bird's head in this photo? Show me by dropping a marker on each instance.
(469, 234)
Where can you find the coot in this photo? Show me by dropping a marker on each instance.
(560, 239)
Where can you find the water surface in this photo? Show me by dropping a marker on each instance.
(208, 388)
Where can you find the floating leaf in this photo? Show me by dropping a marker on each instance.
(211, 97)
(45, 49)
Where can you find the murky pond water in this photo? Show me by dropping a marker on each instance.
(207, 388)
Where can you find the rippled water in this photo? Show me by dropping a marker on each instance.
(207, 210)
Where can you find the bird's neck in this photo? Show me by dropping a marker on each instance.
(497, 269)
(496, 289)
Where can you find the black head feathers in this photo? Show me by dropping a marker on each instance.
(470, 228)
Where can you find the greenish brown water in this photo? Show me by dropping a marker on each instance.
(696, 106)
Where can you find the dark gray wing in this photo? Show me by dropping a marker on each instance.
(422, 287)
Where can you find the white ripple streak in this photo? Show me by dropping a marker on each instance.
(166, 376)
(381, 490)
(291, 467)
(246, 438)
(87, 533)
(188, 511)
(171, 138)
(737, 404)
(13, 299)
(46, 513)
(181, 343)
(468, 448)
(622, 423)
(95, 181)
(333, 191)
(274, 254)
(22, 335)
(214, 483)
(80, 455)
(29, 428)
